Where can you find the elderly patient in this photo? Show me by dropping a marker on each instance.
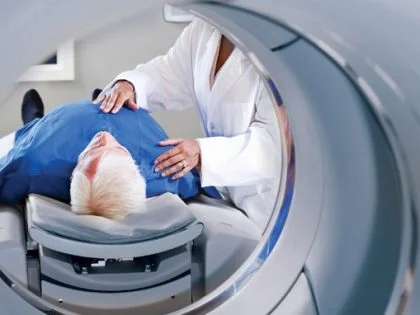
(102, 164)
(106, 180)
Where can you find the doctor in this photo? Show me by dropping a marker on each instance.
(241, 154)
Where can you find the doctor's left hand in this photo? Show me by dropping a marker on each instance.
(179, 160)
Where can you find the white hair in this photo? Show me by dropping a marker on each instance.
(116, 190)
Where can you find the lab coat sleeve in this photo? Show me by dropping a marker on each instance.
(245, 159)
(166, 82)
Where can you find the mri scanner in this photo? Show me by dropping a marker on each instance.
(343, 238)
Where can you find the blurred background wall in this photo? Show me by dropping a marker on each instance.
(101, 56)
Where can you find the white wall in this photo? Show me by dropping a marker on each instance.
(98, 58)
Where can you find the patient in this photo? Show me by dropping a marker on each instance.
(102, 164)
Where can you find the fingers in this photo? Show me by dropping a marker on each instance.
(171, 142)
(178, 169)
(181, 173)
(99, 99)
(179, 160)
(168, 154)
(169, 160)
(118, 104)
(131, 104)
(109, 105)
(105, 101)
(112, 100)
(175, 168)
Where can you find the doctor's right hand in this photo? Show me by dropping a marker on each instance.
(121, 93)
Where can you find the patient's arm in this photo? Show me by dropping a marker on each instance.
(6, 144)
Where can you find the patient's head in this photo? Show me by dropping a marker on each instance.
(106, 180)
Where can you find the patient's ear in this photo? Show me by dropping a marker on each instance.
(79, 193)
(81, 155)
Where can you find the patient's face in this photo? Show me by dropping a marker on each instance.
(102, 144)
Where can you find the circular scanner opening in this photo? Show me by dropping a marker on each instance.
(228, 240)
(329, 198)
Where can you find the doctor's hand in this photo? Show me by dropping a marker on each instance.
(179, 160)
(122, 93)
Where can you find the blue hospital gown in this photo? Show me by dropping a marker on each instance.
(46, 152)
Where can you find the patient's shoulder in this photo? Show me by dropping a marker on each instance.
(75, 112)
(82, 106)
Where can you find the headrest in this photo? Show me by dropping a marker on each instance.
(164, 215)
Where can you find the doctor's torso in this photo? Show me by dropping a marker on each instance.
(241, 154)
(226, 102)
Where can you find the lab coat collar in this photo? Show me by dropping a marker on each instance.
(242, 58)
(244, 61)
(236, 66)
(233, 70)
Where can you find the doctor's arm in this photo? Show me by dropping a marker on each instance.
(164, 83)
(244, 159)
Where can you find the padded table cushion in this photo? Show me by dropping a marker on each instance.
(164, 215)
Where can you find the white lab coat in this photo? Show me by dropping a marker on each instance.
(241, 155)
